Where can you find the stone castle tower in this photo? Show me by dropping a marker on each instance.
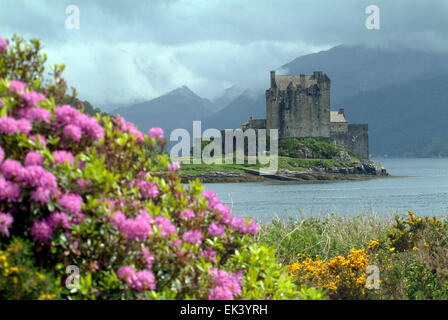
(299, 106)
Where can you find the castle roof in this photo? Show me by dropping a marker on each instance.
(337, 116)
(305, 81)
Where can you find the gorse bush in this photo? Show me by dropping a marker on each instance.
(20, 279)
(343, 277)
(98, 194)
(362, 257)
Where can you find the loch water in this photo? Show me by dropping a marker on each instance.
(420, 185)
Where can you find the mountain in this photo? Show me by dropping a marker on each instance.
(353, 69)
(227, 97)
(238, 111)
(402, 94)
(404, 119)
(176, 109)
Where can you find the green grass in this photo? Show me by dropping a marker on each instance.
(286, 163)
(327, 236)
(289, 150)
(317, 148)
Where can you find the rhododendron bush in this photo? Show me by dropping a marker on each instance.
(98, 194)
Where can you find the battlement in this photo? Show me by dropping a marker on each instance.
(285, 82)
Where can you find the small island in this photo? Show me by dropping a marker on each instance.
(314, 143)
(300, 159)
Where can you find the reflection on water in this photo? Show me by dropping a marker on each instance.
(421, 187)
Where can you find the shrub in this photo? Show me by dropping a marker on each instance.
(20, 279)
(343, 277)
(97, 193)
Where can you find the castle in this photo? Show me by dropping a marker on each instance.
(299, 106)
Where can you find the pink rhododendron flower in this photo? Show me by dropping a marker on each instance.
(41, 195)
(81, 183)
(2, 155)
(17, 86)
(12, 169)
(129, 127)
(140, 227)
(66, 114)
(58, 219)
(90, 126)
(174, 166)
(9, 191)
(71, 202)
(155, 132)
(176, 243)
(36, 176)
(167, 228)
(238, 224)
(223, 213)
(72, 132)
(186, 214)
(41, 231)
(253, 227)
(127, 273)
(148, 257)
(193, 236)
(209, 254)
(6, 221)
(32, 98)
(60, 156)
(3, 45)
(34, 158)
(144, 280)
(8, 125)
(216, 230)
(147, 189)
(24, 126)
(227, 285)
(35, 114)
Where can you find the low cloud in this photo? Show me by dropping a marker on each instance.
(126, 52)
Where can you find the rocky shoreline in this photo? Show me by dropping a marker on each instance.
(365, 169)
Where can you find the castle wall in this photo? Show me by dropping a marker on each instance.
(341, 127)
(355, 140)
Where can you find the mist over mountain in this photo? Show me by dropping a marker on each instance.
(239, 110)
(176, 109)
(404, 120)
(400, 93)
(227, 97)
(353, 69)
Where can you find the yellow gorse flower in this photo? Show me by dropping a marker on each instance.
(337, 272)
(373, 244)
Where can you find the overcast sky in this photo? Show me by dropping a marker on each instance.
(140, 49)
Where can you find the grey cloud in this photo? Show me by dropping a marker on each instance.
(139, 49)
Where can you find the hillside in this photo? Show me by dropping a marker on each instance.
(176, 109)
(404, 120)
(389, 89)
(238, 111)
(353, 69)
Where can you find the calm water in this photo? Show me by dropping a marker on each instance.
(422, 187)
